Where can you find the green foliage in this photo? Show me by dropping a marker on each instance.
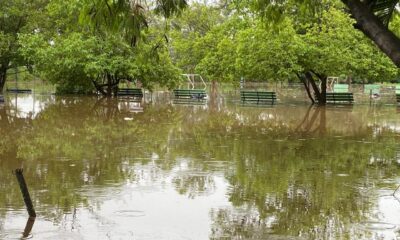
(16, 17)
(243, 46)
(77, 59)
(63, 61)
(220, 44)
(334, 47)
(74, 61)
(219, 63)
(125, 17)
(189, 44)
(264, 54)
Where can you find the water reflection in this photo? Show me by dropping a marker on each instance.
(223, 171)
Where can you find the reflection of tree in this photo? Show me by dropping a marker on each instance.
(194, 184)
(302, 187)
(72, 144)
(310, 120)
(290, 180)
(284, 179)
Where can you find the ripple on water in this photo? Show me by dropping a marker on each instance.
(129, 213)
(100, 192)
(376, 226)
(342, 175)
(15, 234)
(63, 159)
(120, 235)
(386, 193)
(63, 235)
(217, 164)
(197, 174)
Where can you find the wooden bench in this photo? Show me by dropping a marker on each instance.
(398, 93)
(199, 94)
(339, 97)
(130, 92)
(257, 96)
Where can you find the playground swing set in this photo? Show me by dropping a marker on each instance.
(191, 93)
(16, 89)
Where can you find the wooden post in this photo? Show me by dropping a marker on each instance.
(25, 192)
(28, 227)
(394, 193)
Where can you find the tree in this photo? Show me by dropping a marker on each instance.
(78, 59)
(333, 47)
(371, 17)
(15, 17)
(244, 46)
(265, 54)
(188, 35)
(127, 17)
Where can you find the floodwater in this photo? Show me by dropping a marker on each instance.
(100, 169)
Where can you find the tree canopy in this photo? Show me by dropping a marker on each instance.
(152, 43)
(80, 59)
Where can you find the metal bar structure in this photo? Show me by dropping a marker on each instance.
(191, 78)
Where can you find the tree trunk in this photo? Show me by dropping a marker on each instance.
(307, 87)
(375, 30)
(3, 78)
(320, 95)
(213, 103)
(109, 90)
(323, 89)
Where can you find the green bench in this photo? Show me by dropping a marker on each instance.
(199, 94)
(339, 97)
(257, 96)
(17, 90)
(398, 93)
(131, 92)
(372, 89)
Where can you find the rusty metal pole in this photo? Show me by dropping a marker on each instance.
(25, 192)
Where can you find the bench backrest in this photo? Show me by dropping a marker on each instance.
(398, 89)
(130, 91)
(339, 97)
(189, 91)
(257, 96)
(341, 88)
(339, 94)
(257, 93)
(372, 88)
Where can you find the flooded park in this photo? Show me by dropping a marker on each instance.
(196, 120)
(115, 169)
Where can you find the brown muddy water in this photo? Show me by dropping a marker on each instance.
(99, 169)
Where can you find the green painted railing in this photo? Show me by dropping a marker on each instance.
(372, 88)
(341, 88)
